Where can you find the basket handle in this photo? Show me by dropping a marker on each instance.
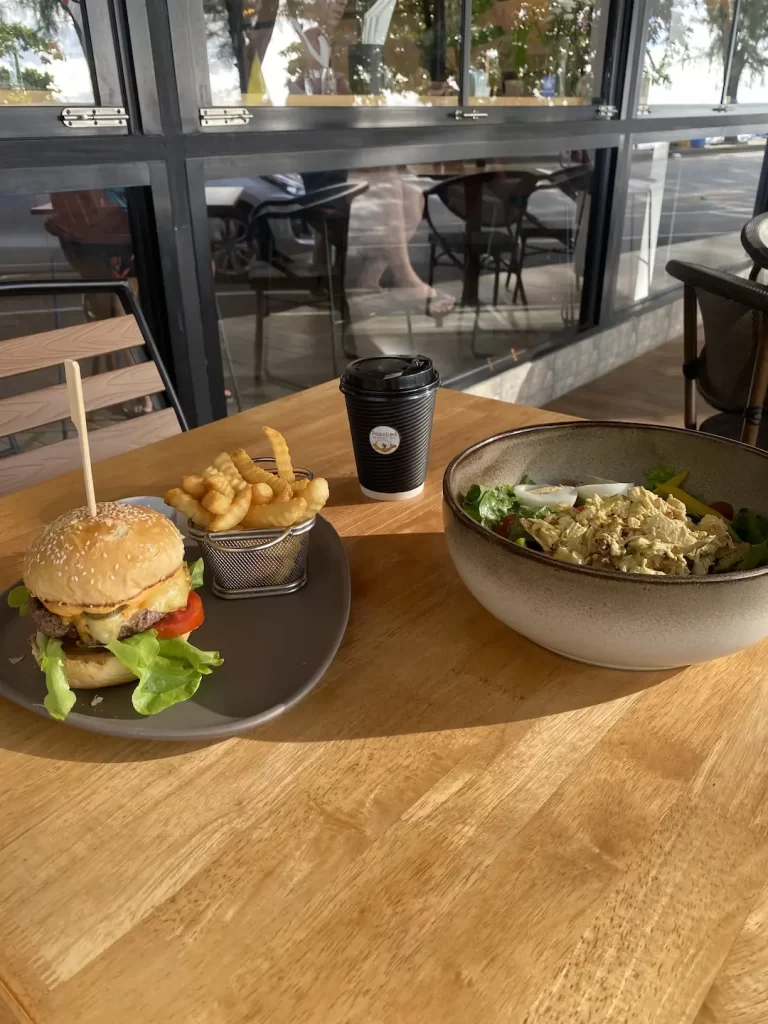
(218, 546)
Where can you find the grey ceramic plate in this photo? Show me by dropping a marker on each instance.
(275, 650)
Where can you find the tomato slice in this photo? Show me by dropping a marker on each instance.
(505, 526)
(182, 621)
(723, 507)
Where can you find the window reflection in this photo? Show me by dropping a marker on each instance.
(333, 52)
(747, 78)
(685, 54)
(395, 52)
(540, 51)
(469, 262)
(43, 53)
(686, 201)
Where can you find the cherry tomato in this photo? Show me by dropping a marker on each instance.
(507, 524)
(723, 508)
(182, 621)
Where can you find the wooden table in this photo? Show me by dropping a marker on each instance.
(457, 826)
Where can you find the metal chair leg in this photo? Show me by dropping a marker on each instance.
(758, 389)
(224, 342)
(259, 346)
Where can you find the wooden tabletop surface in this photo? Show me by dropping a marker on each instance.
(456, 826)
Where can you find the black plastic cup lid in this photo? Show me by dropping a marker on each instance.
(389, 374)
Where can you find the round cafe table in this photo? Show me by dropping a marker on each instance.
(754, 238)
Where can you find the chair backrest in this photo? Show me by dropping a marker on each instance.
(729, 368)
(325, 209)
(27, 410)
(494, 199)
(754, 238)
(572, 181)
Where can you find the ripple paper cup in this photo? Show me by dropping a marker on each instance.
(390, 405)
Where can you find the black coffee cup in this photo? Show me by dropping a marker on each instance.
(390, 404)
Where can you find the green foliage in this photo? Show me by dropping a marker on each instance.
(19, 42)
(663, 14)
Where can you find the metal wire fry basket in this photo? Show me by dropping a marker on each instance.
(257, 563)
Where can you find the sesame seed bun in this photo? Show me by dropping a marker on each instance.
(93, 669)
(102, 561)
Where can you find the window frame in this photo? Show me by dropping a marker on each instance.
(35, 121)
(191, 62)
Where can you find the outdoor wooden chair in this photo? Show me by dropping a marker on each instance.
(24, 410)
(731, 371)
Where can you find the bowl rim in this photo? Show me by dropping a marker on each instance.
(587, 570)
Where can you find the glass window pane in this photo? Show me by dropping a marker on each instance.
(333, 52)
(540, 53)
(474, 264)
(747, 80)
(686, 201)
(68, 236)
(44, 53)
(685, 52)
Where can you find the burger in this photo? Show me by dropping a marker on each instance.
(113, 601)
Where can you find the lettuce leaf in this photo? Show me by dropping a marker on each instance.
(489, 505)
(60, 699)
(658, 475)
(750, 526)
(169, 671)
(19, 598)
(756, 556)
(196, 570)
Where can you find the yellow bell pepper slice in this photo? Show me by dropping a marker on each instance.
(674, 481)
(696, 508)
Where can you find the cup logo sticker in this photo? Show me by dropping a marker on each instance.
(384, 440)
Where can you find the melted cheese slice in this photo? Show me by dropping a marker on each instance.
(167, 596)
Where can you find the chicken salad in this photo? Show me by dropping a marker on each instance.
(656, 529)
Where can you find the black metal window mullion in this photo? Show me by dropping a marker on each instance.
(101, 54)
(637, 37)
(598, 227)
(465, 53)
(728, 63)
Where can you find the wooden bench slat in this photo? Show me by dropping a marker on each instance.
(36, 408)
(31, 467)
(83, 341)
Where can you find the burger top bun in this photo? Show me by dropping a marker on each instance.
(102, 560)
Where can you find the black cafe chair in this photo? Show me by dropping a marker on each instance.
(574, 182)
(754, 238)
(492, 205)
(731, 370)
(324, 211)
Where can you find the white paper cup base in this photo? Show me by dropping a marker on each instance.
(392, 495)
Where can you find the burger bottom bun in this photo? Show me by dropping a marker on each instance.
(94, 669)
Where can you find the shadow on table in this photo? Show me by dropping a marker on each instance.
(383, 682)
(31, 735)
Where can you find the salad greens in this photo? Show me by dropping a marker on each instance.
(489, 506)
(658, 475)
(196, 570)
(168, 671)
(59, 699)
(752, 528)
(19, 598)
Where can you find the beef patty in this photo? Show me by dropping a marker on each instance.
(54, 626)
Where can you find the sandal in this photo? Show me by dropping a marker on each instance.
(439, 306)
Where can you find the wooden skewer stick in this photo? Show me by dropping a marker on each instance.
(77, 412)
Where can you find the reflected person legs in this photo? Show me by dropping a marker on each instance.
(392, 212)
